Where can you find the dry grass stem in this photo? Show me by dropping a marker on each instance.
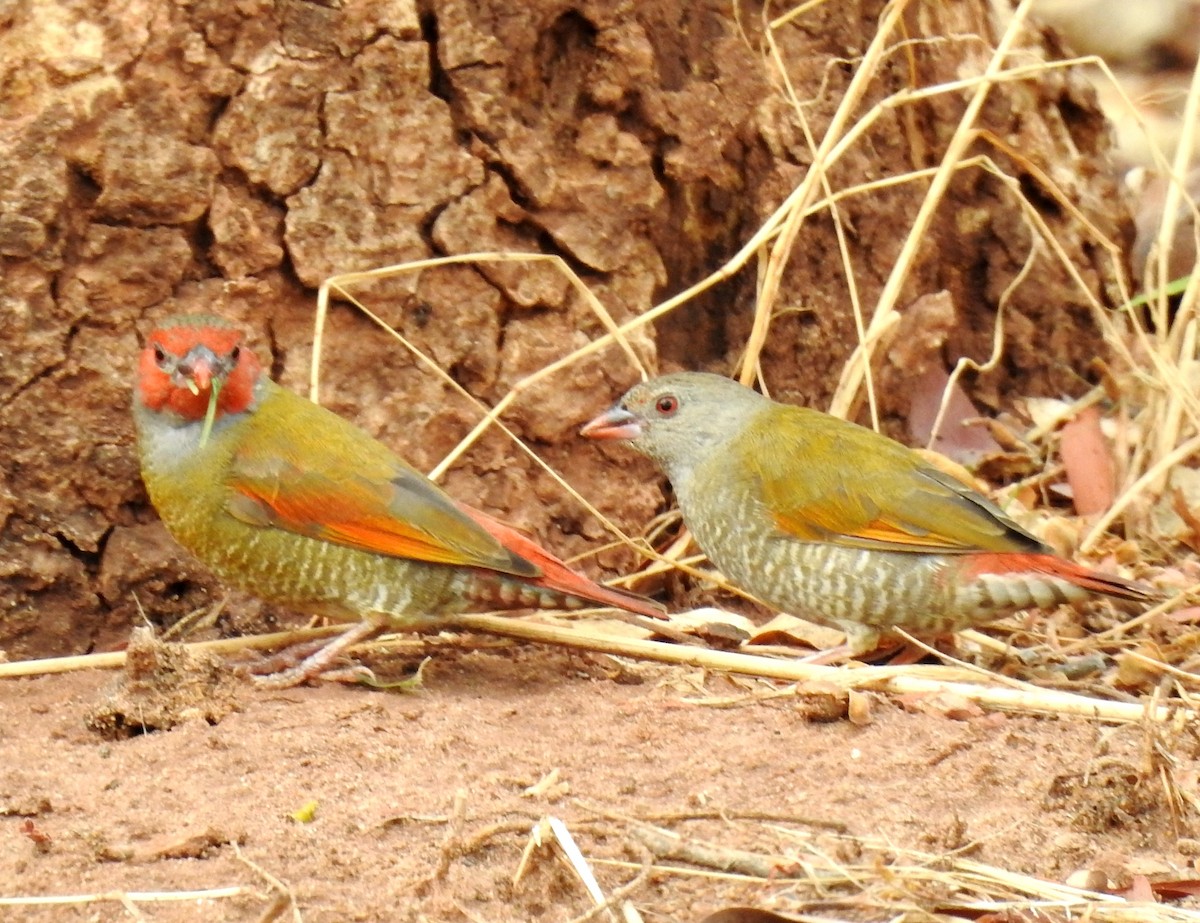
(286, 897)
(973, 684)
(853, 372)
(914, 679)
(793, 208)
(800, 871)
(488, 416)
(127, 898)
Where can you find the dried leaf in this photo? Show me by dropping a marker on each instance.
(1088, 462)
(1135, 672)
(946, 704)
(1139, 890)
(1183, 487)
(1004, 467)
(1007, 430)
(614, 628)
(748, 915)
(1187, 616)
(789, 631)
(960, 434)
(712, 622)
(1046, 412)
(1176, 889)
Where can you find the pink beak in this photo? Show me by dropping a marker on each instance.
(199, 366)
(202, 374)
(617, 423)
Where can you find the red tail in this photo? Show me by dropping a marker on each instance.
(1008, 562)
(557, 576)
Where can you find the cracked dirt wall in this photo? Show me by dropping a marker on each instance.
(160, 156)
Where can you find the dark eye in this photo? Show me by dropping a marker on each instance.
(235, 353)
(667, 405)
(160, 355)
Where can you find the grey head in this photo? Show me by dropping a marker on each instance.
(679, 420)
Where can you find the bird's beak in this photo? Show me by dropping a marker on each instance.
(198, 368)
(201, 375)
(617, 423)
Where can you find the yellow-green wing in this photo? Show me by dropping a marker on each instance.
(823, 479)
(306, 470)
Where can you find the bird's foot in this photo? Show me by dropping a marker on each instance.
(303, 662)
(860, 644)
(355, 674)
(831, 656)
(285, 659)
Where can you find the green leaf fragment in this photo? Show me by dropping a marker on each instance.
(210, 415)
(1172, 288)
(306, 813)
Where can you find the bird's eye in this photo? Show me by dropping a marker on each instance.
(235, 353)
(667, 405)
(160, 355)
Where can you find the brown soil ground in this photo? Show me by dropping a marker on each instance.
(423, 801)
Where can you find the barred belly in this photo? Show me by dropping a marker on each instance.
(321, 577)
(831, 584)
(341, 582)
(835, 585)
(858, 588)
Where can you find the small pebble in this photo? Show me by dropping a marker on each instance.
(1088, 880)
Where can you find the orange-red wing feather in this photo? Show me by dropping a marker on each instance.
(302, 468)
(825, 480)
(556, 575)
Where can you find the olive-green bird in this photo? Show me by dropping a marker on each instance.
(284, 499)
(833, 522)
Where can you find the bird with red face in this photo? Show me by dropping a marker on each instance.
(835, 523)
(288, 501)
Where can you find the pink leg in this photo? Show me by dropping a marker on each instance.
(316, 663)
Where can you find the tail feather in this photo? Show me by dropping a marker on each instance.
(557, 577)
(1016, 564)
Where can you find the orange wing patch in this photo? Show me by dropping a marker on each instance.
(305, 470)
(892, 534)
(880, 534)
(340, 523)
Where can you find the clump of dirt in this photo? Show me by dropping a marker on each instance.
(1110, 794)
(162, 686)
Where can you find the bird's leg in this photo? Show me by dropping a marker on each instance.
(867, 645)
(829, 657)
(870, 646)
(315, 664)
(265, 664)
